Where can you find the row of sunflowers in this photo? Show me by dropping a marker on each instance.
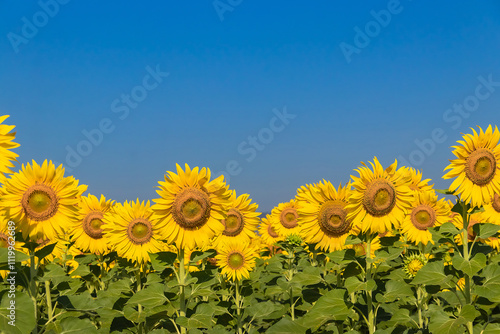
(382, 253)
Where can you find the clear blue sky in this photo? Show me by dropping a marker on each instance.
(354, 95)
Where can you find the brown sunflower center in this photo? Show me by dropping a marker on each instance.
(39, 202)
(480, 166)
(496, 202)
(289, 218)
(271, 231)
(234, 223)
(235, 260)
(379, 198)
(92, 225)
(140, 231)
(332, 219)
(191, 208)
(423, 217)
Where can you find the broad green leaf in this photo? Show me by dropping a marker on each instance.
(432, 274)
(492, 329)
(17, 256)
(468, 312)
(470, 267)
(261, 310)
(303, 278)
(195, 321)
(491, 285)
(77, 326)
(442, 323)
(353, 284)
(198, 256)
(55, 274)
(449, 228)
(331, 306)
(286, 326)
(161, 260)
(395, 290)
(41, 253)
(485, 230)
(151, 296)
(22, 312)
(445, 191)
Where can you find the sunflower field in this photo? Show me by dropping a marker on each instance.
(383, 252)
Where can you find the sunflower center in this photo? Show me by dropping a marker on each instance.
(380, 198)
(289, 218)
(496, 202)
(92, 225)
(423, 217)
(234, 223)
(271, 231)
(332, 219)
(40, 202)
(140, 231)
(235, 261)
(191, 208)
(480, 166)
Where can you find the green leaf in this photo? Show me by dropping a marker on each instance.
(492, 329)
(468, 312)
(195, 321)
(353, 284)
(470, 267)
(449, 228)
(485, 230)
(286, 326)
(23, 313)
(303, 278)
(491, 285)
(41, 253)
(161, 260)
(352, 240)
(77, 326)
(432, 274)
(198, 255)
(261, 310)
(55, 274)
(395, 290)
(17, 256)
(149, 297)
(442, 323)
(330, 306)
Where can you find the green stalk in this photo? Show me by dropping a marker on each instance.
(419, 306)
(465, 243)
(238, 306)
(182, 282)
(33, 287)
(49, 300)
(369, 296)
(139, 306)
(290, 276)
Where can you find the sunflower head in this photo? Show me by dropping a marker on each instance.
(380, 198)
(192, 206)
(413, 263)
(6, 145)
(42, 202)
(477, 167)
(236, 260)
(460, 284)
(286, 218)
(416, 183)
(267, 231)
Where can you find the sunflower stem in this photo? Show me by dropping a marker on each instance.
(369, 297)
(182, 282)
(419, 306)
(465, 243)
(33, 287)
(139, 306)
(290, 276)
(48, 297)
(238, 306)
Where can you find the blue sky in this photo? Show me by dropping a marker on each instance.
(380, 78)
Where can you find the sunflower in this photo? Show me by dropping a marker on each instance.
(192, 206)
(492, 210)
(477, 167)
(88, 235)
(380, 198)
(41, 201)
(285, 219)
(236, 260)
(6, 144)
(426, 212)
(131, 230)
(267, 232)
(241, 221)
(413, 263)
(416, 183)
(323, 215)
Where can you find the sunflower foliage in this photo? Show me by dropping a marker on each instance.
(383, 253)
